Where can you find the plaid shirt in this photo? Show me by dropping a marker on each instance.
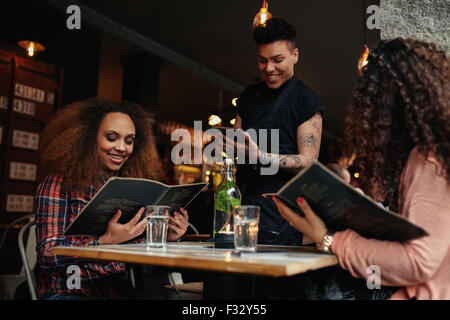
(56, 209)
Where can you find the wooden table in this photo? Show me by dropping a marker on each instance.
(272, 261)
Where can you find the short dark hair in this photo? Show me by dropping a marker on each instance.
(274, 29)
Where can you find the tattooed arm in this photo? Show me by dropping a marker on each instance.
(309, 136)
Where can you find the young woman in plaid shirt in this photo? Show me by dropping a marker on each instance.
(84, 145)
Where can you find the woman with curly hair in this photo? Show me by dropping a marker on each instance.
(83, 145)
(399, 123)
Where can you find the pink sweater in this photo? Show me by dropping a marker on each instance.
(422, 266)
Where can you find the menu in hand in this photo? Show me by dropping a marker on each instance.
(342, 207)
(128, 195)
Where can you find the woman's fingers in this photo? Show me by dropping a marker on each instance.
(184, 213)
(136, 218)
(175, 232)
(311, 224)
(177, 229)
(300, 223)
(305, 207)
(140, 227)
(179, 220)
(178, 224)
(310, 215)
(317, 227)
(285, 211)
(116, 217)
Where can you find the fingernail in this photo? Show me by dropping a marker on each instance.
(300, 200)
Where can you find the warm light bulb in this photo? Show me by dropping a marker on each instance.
(363, 60)
(263, 15)
(356, 175)
(214, 120)
(232, 122)
(234, 101)
(30, 49)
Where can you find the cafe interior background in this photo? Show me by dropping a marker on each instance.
(183, 61)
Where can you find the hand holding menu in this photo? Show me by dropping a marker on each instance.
(128, 195)
(341, 207)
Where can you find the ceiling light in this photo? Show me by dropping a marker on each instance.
(263, 15)
(362, 62)
(31, 47)
(214, 120)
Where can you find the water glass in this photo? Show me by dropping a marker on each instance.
(157, 225)
(246, 226)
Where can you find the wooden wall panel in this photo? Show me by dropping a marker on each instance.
(30, 93)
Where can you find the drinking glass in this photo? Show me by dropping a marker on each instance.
(157, 225)
(246, 226)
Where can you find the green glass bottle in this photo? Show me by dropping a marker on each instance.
(226, 198)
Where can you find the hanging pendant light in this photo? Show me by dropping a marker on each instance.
(32, 47)
(263, 15)
(214, 120)
(363, 60)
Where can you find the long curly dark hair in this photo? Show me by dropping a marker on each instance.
(399, 102)
(69, 142)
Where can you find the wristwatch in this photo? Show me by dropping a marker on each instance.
(326, 243)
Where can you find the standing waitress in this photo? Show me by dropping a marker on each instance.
(285, 103)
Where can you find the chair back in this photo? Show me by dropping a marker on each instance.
(193, 228)
(28, 255)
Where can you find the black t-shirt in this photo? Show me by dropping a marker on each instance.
(256, 109)
(285, 108)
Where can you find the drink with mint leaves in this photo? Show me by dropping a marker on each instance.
(226, 198)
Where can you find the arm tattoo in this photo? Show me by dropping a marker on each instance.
(315, 125)
(297, 160)
(283, 161)
(315, 121)
(308, 139)
(294, 157)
